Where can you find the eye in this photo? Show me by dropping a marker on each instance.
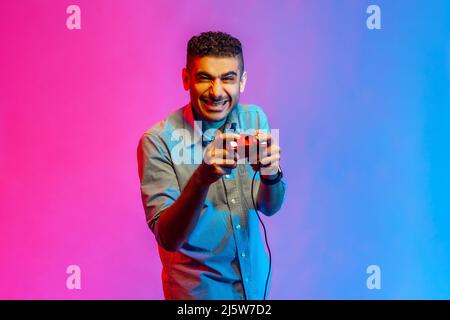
(228, 79)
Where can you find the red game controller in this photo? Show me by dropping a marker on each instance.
(249, 147)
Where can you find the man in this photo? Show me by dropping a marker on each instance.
(201, 212)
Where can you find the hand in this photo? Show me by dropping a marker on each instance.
(217, 160)
(269, 154)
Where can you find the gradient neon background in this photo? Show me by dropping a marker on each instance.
(365, 127)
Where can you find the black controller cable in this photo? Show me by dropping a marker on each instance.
(265, 236)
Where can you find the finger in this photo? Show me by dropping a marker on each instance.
(270, 150)
(264, 136)
(225, 154)
(226, 163)
(227, 136)
(268, 171)
(264, 151)
(267, 161)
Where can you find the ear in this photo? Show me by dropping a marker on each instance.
(186, 80)
(243, 81)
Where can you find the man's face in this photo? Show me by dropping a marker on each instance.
(215, 84)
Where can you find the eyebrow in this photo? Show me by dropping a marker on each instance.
(204, 73)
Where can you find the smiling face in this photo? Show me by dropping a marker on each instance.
(215, 84)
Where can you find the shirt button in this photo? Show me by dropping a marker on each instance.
(233, 201)
(243, 254)
(246, 279)
(238, 226)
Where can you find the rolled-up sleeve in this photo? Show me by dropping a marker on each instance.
(159, 185)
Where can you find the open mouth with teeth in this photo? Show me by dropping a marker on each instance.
(215, 106)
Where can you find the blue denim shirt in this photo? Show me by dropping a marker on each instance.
(224, 256)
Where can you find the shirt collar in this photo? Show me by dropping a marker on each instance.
(196, 133)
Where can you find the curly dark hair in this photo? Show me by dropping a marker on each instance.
(216, 44)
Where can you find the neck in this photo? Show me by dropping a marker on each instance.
(208, 124)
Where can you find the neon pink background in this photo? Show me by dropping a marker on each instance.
(362, 124)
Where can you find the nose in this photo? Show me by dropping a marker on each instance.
(216, 89)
